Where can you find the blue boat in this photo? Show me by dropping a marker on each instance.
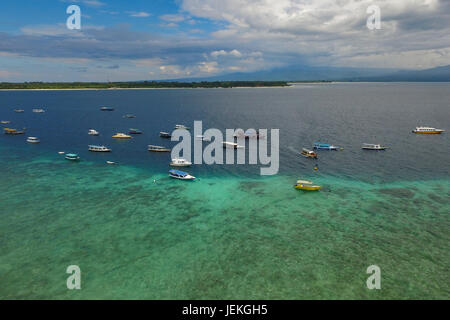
(324, 146)
(177, 174)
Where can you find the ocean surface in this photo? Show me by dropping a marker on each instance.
(135, 233)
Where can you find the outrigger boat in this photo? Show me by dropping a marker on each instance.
(324, 146)
(180, 175)
(157, 148)
(107, 109)
(163, 134)
(72, 157)
(33, 140)
(306, 185)
(428, 130)
(13, 131)
(370, 146)
(179, 162)
(120, 135)
(99, 149)
(134, 131)
(308, 153)
(93, 132)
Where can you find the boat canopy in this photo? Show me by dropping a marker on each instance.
(178, 172)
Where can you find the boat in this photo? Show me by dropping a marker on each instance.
(157, 148)
(38, 110)
(180, 126)
(180, 175)
(308, 153)
(72, 157)
(179, 162)
(129, 116)
(120, 135)
(231, 145)
(200, 137)
(99, 148)
(33, 140)
(324, 146)
(306, 185)
(110, 162)
(428, 130)
(93, 132)
(5, 122)
(135, 131)
(61, 152)
(13, 131)
(370, 146)
(107, 109)
(19, 110)
(163, 134)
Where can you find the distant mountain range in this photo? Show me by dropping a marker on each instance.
(305, 73)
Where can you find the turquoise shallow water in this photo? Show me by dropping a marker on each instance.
(232, 234)
(216, 238)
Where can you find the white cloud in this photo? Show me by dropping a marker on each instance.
(173, 17)
(141, 14)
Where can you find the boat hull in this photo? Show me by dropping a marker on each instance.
(307, 188)
(429, 132)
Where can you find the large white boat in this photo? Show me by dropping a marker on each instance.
(93, 132)
(179, 162)
(180, 175)
(154, 148)
(428, 130)
(370, 146)
(99, 149)
(33, 140)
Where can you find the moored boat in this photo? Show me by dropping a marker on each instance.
(308, 153)
(19, 110)
(428, 130)
(5, 122)
(93, 132)
(306, 185)
(99, 149)
(33, 140)
(180, 162)
(164, 134)
(13, 131)
(129, 116)
(72, 157)
(370, 146)
(231, 145)
(38, 110)
(324, 146)
(180, 175)
(157, 148)
(134, 131)
(181, 126)
(107, 109)
(120, 135)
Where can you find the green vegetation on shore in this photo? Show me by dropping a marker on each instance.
(143, 84)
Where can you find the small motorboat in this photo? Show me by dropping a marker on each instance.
(324, 146)
(19, 110)
(181, 126)
(72, 157)
(99, 149)
(135, 131)
(120, 135)
(5, 122)
(179, 162)
(33, 140)
(129, 116)
(110, 162)
(308, 153)
(306, 185)
(61, 152)
(202, 138)
(370, 146)
(163, 134)
(231, 145)
(428, 130)
(13, 131)
(180, 175)
(107, 109)
(38, 110)
(93, 132)
(157, 148)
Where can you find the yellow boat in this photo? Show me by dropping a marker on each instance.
(306, 185)
(120, 135)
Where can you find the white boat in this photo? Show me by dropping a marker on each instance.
(38, 110)
(428, 130)
(5, 121)
(93, 132)
(180, 175)
(110, 162)
(179, 162)
(99, 149)
(370, 146)
(180, 126)
(231, 145)
(200, 137)
(33, 140)
(157, 148)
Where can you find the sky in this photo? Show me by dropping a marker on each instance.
(169, 39)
